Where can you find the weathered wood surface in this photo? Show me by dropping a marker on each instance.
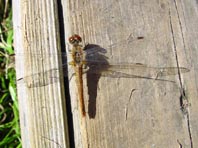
(138, 113)
(41, 97)
(121, 112)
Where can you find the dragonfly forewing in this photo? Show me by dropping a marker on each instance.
(98, 63)
(105, 69)
(40, 79)
(141, 69)
(135, 69)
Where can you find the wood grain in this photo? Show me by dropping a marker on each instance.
(121, 112)
(40, 89)
(137, 112)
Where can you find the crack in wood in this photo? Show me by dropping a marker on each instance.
(189, 130)
(175, 50)
(183, 99)
(52, 141)
(25, 32)
(126, 108)
(180, 145)
(180, 24)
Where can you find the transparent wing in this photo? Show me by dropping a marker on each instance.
(132, 70)
(97, 63)
(40, 79)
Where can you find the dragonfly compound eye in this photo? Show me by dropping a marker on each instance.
(75, 39)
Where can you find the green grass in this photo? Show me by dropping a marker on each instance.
(9, 114)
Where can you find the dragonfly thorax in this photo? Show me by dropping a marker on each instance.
(78, 58)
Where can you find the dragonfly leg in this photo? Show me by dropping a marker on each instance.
(72, 63)
(85, 69)
(71, 76)
(84, 63)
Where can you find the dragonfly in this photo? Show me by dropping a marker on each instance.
(88, 59)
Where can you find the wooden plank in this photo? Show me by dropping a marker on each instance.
(40, 88)
(123, 112)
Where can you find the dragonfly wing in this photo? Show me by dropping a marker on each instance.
(115, 74)
(93, 48)
(137, 68)
(172, 71)
(63, 54)
(41, 79)
(140, 68)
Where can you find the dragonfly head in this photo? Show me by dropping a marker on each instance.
(75, 39)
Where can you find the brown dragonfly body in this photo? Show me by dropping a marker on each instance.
(77, 63)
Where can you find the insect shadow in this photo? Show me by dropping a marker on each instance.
(98, 66)
(97, 63)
